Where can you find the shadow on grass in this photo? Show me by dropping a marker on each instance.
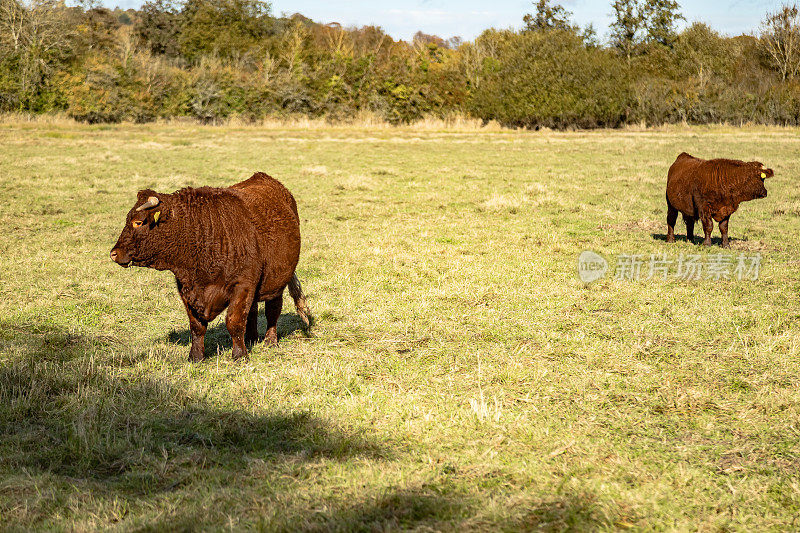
(63, 414)
(441, 507)
(46, 343)
(74, 432)
(715, 241)
(218, 338)
(396, 510)
(566, 512)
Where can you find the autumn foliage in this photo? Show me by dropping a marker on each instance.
(217, 59)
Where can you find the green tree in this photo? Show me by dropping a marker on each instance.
(548, 16)
(95, 30)
(703, 54)
(589, 36)
(628, 23)
(158, 25)
(227, 28)
(551, 79)
(660, 18)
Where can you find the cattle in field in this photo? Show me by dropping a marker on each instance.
(711, 190)
(227, 247)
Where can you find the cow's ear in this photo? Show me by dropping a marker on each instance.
(144, 194)
(160, 213)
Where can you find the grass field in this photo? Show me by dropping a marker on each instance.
(459, 376)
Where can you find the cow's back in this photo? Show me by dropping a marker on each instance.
(260, 187)
(682, 181)
(273, 211)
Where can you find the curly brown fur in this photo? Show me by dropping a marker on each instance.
(711, 190)
(227, 247)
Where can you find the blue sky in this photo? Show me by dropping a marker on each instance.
(467, 18)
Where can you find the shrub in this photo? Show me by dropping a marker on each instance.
(551, 78)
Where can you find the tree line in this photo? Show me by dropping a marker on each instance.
(216, 59)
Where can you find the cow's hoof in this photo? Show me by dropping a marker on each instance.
(238, 354)
(196, 358)
(670, 239)
(271, 339)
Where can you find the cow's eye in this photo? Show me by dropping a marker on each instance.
(136, 223)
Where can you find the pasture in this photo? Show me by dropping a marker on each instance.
(459, 375)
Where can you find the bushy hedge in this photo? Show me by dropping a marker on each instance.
(551, 78)
(215, 59)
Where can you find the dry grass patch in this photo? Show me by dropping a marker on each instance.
(504, 202)
(315, 170)
(356, 182)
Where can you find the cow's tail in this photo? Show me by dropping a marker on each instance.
(296, 290)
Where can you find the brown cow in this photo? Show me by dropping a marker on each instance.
(711, 189)
(231, 247)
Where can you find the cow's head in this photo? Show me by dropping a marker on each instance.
(140, 242)
(756, 177)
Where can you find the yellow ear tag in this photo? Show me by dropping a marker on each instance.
(763, 176)
(156, 215)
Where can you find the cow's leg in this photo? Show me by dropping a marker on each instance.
(723, 228)
(672, 216)
(236, 320)
(689, 221)
(251, 331)
(197, 328)
(708, 227)
(272, 310)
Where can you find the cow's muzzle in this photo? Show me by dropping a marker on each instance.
(120, 257)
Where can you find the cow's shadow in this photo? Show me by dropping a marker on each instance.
(715, 241)
(69, 416)
(218, 339)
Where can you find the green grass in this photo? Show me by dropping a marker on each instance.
(459, 376)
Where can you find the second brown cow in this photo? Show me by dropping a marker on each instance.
(711, 190)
